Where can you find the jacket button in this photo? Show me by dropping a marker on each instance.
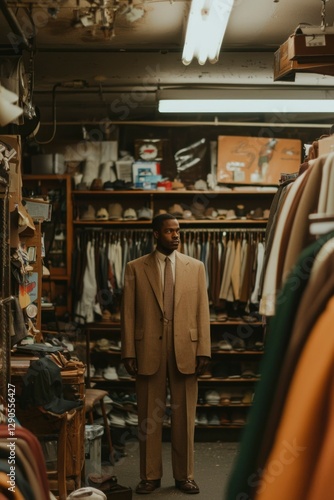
(160, 337)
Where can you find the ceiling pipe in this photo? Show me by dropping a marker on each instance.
(171, 123)
(14, 26)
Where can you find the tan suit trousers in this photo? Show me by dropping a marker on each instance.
(151, 399)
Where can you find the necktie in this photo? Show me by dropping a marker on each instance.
(168, 290)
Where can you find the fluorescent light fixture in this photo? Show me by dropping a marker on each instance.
(246, 106)
(243, 101)
(206, 27)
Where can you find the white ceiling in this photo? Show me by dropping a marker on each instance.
(123, 73)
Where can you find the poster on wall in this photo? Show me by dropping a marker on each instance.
(256, 160)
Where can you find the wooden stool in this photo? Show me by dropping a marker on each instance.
(92, 398)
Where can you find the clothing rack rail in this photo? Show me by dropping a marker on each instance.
(182, 230)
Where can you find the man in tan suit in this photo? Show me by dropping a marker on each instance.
(166, 344)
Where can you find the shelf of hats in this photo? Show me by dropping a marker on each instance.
(235, 185)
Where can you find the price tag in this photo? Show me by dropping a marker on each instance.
(315, 41)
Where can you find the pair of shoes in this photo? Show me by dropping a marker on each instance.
(147, 486)
(187, 486)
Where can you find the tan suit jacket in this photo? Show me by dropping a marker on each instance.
(142, 314)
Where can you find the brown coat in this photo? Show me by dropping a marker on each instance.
(142, 313)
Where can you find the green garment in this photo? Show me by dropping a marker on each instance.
(246, 472)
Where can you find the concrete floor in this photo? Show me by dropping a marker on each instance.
(213, 463)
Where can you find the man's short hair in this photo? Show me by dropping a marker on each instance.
(158, 220)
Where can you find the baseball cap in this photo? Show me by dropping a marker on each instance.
(176, 210)
(187, 214)
(115, 211)
(102, 214)
(211, 213)
(177, 184)
(96, 184)
(130, 213)
(89, 213)
(198, 209)
(144, 213)
(160, 212)
(201, 185)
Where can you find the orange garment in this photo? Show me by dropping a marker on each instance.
(322, 480)
(300, 435)
(14, 494)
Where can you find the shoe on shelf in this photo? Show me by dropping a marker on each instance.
(238, 344)
(224, 418)
(202, 419)
(59, 236)
(238, 418)
(102, 344)
(225, 345)
(108, 405)
(213, 419)
(110, 373)
(212, 397)
(131, 419)
(129, 400)
(116, 420)
(225, 398)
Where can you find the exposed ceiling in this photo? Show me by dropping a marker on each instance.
(122, 73)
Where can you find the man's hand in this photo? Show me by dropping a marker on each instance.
(202, 363)
(131, 366)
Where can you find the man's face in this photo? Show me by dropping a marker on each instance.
(168, 238)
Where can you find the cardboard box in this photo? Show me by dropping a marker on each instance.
(256, 160)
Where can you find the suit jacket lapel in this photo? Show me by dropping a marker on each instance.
(153, 275)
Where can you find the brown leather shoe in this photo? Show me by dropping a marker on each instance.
(147, 486)
(188, 486)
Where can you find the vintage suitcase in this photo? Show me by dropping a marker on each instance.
(311, 44)
(304, 52)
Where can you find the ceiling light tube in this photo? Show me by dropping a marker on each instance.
(278, 100)
(206, 27)
(246, 106)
